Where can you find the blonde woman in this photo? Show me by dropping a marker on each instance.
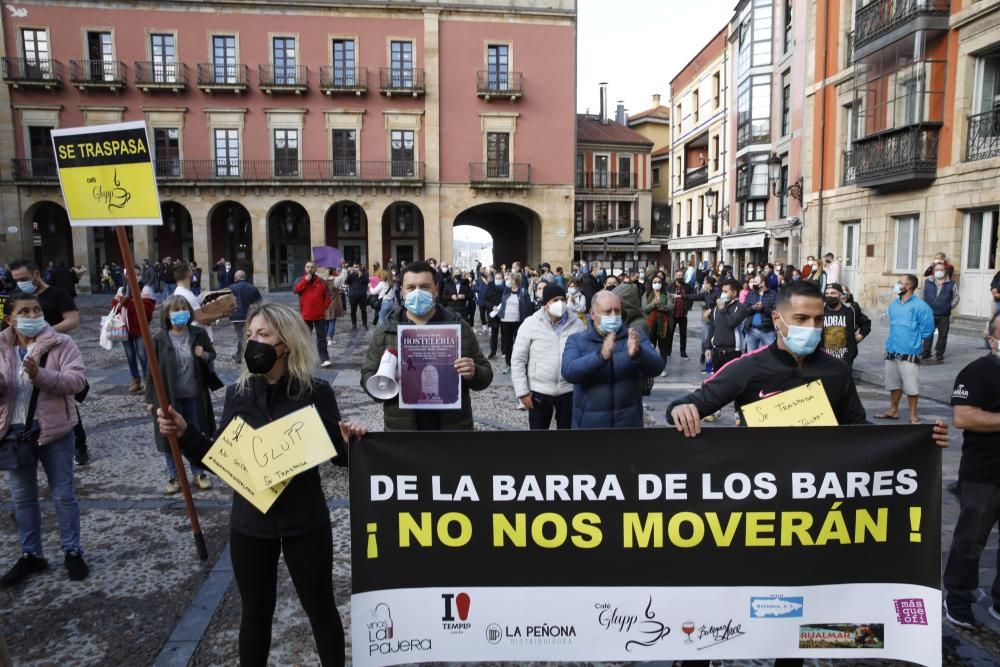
(277, 380)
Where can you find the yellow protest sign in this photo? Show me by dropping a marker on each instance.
(227, 459)
(106, 173)
(803, 406)
(286, 447)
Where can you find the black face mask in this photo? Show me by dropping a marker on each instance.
(832, 301)
(260, 357)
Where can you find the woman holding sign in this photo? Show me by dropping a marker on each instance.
(277, 381)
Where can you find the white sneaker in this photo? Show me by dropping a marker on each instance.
(326, 364)
(329, 341)
(520, 406)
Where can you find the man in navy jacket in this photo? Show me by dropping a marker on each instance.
(606, 364)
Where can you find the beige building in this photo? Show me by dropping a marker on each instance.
(654, 124)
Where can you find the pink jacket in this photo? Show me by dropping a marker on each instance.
(58, 382)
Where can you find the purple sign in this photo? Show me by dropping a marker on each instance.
(911, 611)
(327, 257)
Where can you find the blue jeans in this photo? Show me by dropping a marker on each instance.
(57, 461)
(757, 338)
(135, 352)
(385, 309)
(331, 328)
(188, 408)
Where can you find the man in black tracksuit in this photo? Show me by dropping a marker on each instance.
(357, 292)
(494, 294)
(726, 317)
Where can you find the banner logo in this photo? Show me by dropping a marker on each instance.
(640, 631)
(842, 635)
(382, 638)
(530, 635)
(910, 611)
(776, 606)
(456, 604)
(716, 634)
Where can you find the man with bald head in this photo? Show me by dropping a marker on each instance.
(246, 295)
(606, 364)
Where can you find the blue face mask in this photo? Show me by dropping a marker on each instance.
(26, 286)
(498, 281)
(419, 302)
(610, 323)
(801, 341)
(506, 283)
(30, 326)
(180, 318)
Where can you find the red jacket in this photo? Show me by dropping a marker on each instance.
(131, 321)
(313, 298)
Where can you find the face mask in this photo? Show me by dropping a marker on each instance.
(724, 297)
(228, 266)
(610, 286)
(898, 290)
(260, 357)
(939, 275)
(610, 323)
(557, 308)
(657, 286)
(832, 301)
(26, 286)
(180, 318)
(419, 302)
(801, 341)
(750, 269)
(506, 283)
(30, 326)
(571, 291)
(796, 277)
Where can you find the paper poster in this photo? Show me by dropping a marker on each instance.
(807, 405)
(106, 174)
(284, 448)
(427, 376)
(227, 459)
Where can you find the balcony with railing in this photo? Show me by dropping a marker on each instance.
(848, 49)
(695, 177)
(984, 136)
(503, 85)
(500, 174)
(882, 22)
(97, 74)
(596, 226)
(401, 81)
(606, 180)
(161, 75)
(283, 79)
(323, 171)
(34, 169)
(850, 172)
(223, 78)
(343, 80)
(32, 73)
(904, 157)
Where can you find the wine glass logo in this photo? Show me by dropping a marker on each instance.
(688, 629)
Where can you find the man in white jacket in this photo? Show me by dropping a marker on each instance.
(536, 361)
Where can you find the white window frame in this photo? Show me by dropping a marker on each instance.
(913, 242)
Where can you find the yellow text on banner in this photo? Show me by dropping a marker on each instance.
(226, 459)
(289, 446)
(803, 406)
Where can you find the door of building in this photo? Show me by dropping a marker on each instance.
(852, 246)
(979, 249)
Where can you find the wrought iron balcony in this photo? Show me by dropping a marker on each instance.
(491, 83)
(161, 75)
(905, 157)
(984, 136)
(500, 174)
(34, 169)
(848, 49)
(597, 226)
(661, 228)
(695, 177)
(283, 78)
(326, 171)
(401, 81)
(32, 73)
(606, 180)
(222, 77)
(881, 22)
(97, 74)
(343, 80)
(850, 172)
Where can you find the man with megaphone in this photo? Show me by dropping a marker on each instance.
(380, 374)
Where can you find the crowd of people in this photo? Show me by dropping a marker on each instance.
(582, 347)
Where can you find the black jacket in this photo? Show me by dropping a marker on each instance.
(301, 508)
(725, 320)
(358, 285)
(770, 371)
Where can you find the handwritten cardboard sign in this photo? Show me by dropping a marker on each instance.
(807, 405)
(227, 459)
(289, 446)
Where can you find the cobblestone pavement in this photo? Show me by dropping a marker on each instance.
(150, 601)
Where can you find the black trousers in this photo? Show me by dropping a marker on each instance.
(79, 433)
(662, 344)
(484, 314)
(979, 513)
(722, 356)
(319, 327)
(508, 332)
(943, 324)
(356, 302)
(494, 335)
(678, 324)
(540, 417)
(310, 563)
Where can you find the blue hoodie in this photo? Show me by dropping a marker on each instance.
(909, 324)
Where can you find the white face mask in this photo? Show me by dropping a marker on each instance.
(939, 275)
(556, 308)
(571, 291)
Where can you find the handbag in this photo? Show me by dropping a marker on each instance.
(19, 449)
(113, 328)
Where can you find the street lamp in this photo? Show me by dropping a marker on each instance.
(710, 201)
(793, 190)
(636, 233)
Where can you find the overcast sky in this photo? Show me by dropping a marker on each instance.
(638, 46)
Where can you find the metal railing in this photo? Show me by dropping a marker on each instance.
(281, 169)
(596, 226)
(500, 173)
(984, 136)
(850, 171)
(392, 79)
(32, 70)
(695, 177)
(34, 169)
(848, 49)
(661, 228)
(606, 180)
(231, 75)
(343, 78)
(97, 72)
(283, 76)
(899, 152)
(880, 17)
(492, 82)
(160, 73)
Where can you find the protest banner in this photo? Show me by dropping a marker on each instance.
(427, 376)
(806, 405)
(642, 545)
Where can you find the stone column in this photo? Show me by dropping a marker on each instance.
(373, 214)
(261, 269)
(83, 255)
(142, 242)
(198, 209)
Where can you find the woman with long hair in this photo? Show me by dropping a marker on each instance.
(277, 380)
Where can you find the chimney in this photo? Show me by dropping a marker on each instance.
(656, 100)
(620, 113)
(604, 102)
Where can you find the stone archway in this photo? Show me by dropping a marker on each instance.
(346, 228)
(231, 236)
(175, 237)
(516, 231)
(288, 243)
(402, 233)
(52, 237)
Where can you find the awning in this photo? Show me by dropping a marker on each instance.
(743, 241)
(617, 247)
(704, 242)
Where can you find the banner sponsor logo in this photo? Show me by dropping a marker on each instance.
(776, 606)
(842, 635)
(530, 635)
(639, 630)
(456, 606)
(911, 611)
(383, 638)
(713, 635)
